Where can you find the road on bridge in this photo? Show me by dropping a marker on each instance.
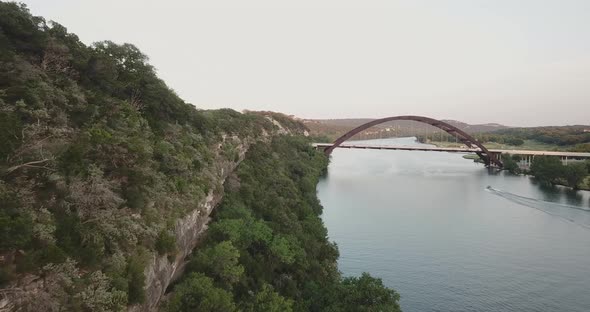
(456, 150)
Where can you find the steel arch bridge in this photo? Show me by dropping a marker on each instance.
(487, 157)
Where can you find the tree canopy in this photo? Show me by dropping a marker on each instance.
(550, 169)
(98, 157)
(268, 246)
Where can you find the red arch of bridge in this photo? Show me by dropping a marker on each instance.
(461, 135)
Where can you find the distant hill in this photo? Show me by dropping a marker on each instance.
(477, 128)
(333, 128)
(573, 138)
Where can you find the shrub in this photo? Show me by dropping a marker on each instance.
(546, 168)
(510, 164)
(136, 279)
(15, 230)
(220, 262)
(165, 243)
(575, 173)
(198, 293)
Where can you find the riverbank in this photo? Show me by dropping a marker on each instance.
(267, 248)
(529, 145)
(583, 186)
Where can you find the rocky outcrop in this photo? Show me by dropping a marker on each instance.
(43, 292)
(162, 271)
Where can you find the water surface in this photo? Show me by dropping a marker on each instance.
(449, 235)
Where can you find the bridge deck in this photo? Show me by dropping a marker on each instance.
(456, 150)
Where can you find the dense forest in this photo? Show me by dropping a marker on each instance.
(99, 158)
(566, 135)
(571, 138)
(267, 249)
(481, 137)
(550, 170)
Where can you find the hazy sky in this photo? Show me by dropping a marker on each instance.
(514, 62)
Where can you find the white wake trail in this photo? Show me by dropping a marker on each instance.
(538, 205)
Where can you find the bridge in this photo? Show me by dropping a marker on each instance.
(489, 157)
(527, 156)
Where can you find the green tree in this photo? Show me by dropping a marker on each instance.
(242, 232)
(136, 279)
(166, 243)
(547, 169)
(575, 173)
(10, 130)
(510, 164)
(98, 295)
(198, 293)
(15, 224)
(514, 141)
(220, 262)
(366, 293)
(585, 148)
(267, 300)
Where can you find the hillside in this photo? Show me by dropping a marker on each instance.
(572, 138)
(566, 138)
(108, 181)
(330, 129)
(98, 159)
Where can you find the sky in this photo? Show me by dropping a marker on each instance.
(519, 63)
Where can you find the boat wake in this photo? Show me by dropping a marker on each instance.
(551, 208)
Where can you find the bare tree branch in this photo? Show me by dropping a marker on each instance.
(29, 164)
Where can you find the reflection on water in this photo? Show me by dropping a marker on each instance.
(574, 197)
(556, 193)
(428, 224)
(550, 192)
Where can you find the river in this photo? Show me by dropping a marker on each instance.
(449, 235)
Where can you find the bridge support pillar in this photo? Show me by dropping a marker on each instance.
(528, 160)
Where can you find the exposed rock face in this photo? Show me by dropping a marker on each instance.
(161, 272)
(41, 293)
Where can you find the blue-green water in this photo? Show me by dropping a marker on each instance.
(429, 226)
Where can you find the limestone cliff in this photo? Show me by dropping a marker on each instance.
(38, 291)
(162, 271)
